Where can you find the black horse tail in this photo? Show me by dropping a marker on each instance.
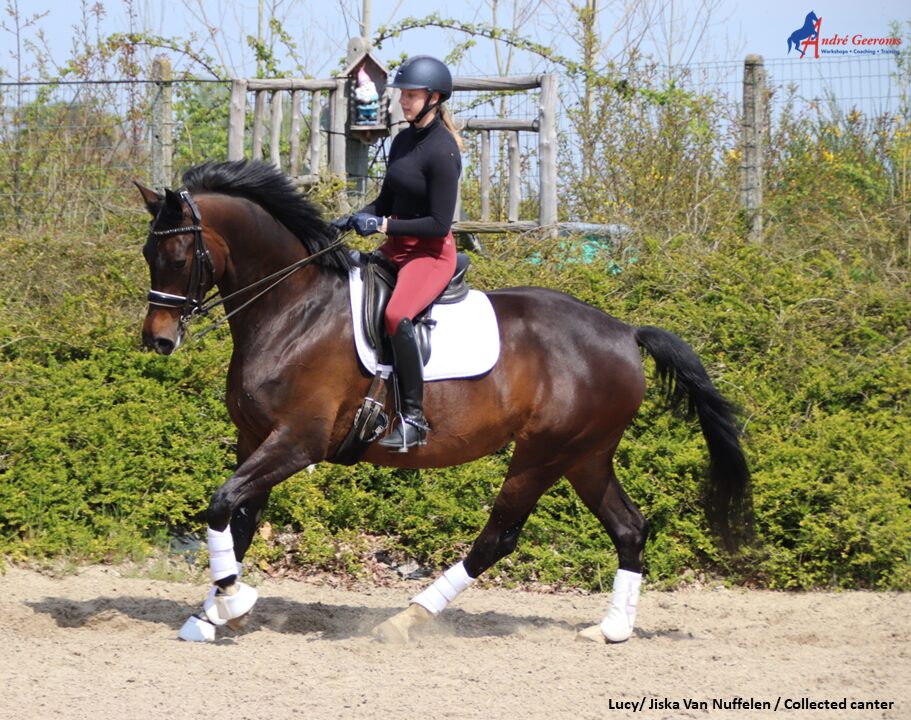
(727, 492)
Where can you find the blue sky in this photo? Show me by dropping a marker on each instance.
(320, 28)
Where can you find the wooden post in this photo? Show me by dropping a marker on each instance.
(484, 176)
(275, 136)
(547, 153)
(259, 112)
(294, 142)
(753, 134)
(337, 117)
(162, 123)
(515, 190)
(237, 119)
(316, 124)
(457, 210)
(396, 116)
(357, 161)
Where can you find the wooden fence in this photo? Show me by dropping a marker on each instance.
(328, 138)
(269, 101)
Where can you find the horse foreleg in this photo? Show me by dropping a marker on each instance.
(596, 483)
(244, 522)
(523, 487)
(235, 509)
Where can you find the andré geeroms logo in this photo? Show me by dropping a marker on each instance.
(810, 35)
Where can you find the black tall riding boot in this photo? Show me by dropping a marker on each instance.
(409, 369)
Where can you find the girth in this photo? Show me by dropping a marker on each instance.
(380, 275)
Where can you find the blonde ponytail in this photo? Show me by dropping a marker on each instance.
(447, 120)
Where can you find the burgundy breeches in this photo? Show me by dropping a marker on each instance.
(426, 266)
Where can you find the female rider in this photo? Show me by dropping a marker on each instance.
(415, 209)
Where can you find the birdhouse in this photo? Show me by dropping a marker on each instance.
(367, 101)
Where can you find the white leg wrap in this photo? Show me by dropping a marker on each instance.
(444, 589)
(221, 554)
(618, 624)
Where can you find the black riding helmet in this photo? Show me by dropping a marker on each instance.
(423, 72)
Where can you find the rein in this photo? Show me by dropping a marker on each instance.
(198, 305)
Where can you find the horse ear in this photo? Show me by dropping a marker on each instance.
(172, 199)
(152, 199)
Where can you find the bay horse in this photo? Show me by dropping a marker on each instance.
(568, 382)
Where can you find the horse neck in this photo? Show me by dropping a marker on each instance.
(253, 244)
(255, 247)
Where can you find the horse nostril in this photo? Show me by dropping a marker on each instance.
(161, 345)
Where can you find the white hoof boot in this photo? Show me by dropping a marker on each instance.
(211, 610)
(236, 601)
(618, 624)
(195, 629)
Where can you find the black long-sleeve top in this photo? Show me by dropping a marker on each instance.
(421, 183)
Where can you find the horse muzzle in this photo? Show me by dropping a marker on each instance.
(162, 336)
(161, 345)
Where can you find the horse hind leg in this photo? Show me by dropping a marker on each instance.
(525, 482)
(596, 484)
(244, 522)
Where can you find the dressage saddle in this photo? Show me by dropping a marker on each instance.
(379, 276)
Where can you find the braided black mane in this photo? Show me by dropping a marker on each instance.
(265, 185)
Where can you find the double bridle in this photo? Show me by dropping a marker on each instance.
(194, 301)
(190, 303)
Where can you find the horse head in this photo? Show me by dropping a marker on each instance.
(182, 269)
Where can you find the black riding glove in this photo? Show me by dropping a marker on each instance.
(366, 224)
(342, 223)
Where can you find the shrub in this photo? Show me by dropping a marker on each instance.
(106, 450)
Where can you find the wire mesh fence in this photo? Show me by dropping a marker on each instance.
(873, 86)
(68, 149)
(56, 138)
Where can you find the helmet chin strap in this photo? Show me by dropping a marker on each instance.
(428, 106)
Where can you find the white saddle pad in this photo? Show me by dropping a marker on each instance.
(465, 341)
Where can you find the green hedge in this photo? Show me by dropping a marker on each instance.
(105, 450)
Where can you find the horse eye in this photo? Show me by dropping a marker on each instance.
(178, 264)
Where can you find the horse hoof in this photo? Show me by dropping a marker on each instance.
(396, 630)
(239, 623)
(591, 634)
(197, 629)
(391, 633)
